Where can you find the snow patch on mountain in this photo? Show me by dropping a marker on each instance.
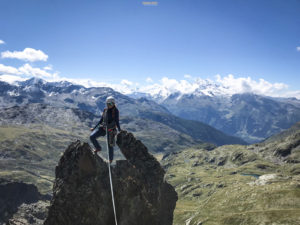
(171, 87)
(221, 86)
(13, 93)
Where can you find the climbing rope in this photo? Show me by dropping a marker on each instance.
(111, 185)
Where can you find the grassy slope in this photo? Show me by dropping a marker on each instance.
(33, 137)
(193, 128)
(216, 187)
(30, 154)
(210, 185)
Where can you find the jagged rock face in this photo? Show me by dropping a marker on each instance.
(16, 195)
(34, 214)
(81, 192)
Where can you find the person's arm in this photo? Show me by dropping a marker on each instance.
(101, 120)
(117, 119)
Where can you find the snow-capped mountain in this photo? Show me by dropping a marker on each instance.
(65, 95)
(249, 116)
(200, 87)
(235, 111)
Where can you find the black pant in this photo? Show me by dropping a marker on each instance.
(100, 132)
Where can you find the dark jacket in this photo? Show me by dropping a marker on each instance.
(113, 116)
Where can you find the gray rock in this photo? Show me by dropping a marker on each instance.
(34, 214)
(197, 194)
(17, 199)
(81, 192)
(185, 186)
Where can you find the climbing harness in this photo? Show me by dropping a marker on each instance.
(111, 138)
(111, 185)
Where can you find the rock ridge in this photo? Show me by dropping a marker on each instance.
(81, 191)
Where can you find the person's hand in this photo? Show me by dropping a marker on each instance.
(91, 129)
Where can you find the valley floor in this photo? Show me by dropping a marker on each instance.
(214, 192)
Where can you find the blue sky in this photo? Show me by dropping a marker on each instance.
(114, 40)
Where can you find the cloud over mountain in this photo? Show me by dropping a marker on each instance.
(7, 72)
(8, 69)
(161, 89)
(28, 54)
(157, 89)
(227, 85)
(245, 85)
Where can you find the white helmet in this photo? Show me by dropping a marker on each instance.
(110, 100)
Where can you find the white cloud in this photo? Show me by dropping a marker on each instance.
(174, 85)
(28, 70)
(28, 54)
(187, 76)
(227, 85)
(125, 86)
(126, 82)
(167, 86)
(292, 94)
(298, 48)
(11, 79)
(149, 80)
(8, 69)
(242, 85)
(2, 42)
(11, 74)
(49, 67)
(84, 82)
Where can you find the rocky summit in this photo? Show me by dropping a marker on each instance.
(81, 191)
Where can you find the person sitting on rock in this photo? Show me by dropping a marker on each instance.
(109, 120)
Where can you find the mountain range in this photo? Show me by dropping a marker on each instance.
(216, 183)
(92, 100)
(249, 116)
(230, 184)
(39, 119)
